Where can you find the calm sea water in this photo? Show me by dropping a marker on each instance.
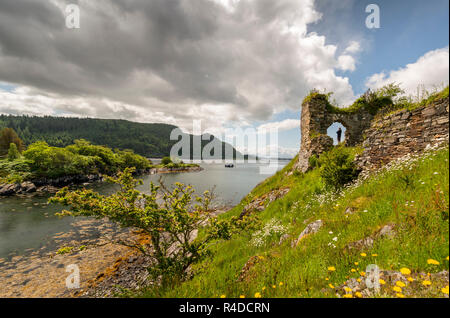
(29, 223)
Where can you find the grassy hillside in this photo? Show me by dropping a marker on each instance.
(149, 140)
(412, 197)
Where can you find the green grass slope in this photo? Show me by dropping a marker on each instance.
(412, 196)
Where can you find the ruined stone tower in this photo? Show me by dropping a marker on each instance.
(317, 116)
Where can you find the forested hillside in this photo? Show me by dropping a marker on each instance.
(150, 140)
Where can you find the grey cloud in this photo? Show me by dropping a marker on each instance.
(162, 55)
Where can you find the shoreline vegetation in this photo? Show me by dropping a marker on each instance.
(42, 168)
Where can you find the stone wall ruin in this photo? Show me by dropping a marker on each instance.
(384, 138)
(317, 118)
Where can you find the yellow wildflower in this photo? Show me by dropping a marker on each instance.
(363, 254)
(353, 270)
(363, 274)
(447, 258)
(410, 279)
(400, 284)
(359, 295)
(264, 288)
(445, 290)
(397, 289)
(358, 280)
(242, 296)
(348, 296)
(331, 286)
(374, 255)
(327, 278)
(382, 282)
(348, 289)
(223, 296)
(274, 286)
(432, 262)
(356, 263)
(405, 271)
(426, 283)
(331, 269)
(257, 295)
(400, 295)
(281, 284)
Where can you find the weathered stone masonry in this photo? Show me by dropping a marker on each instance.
(383, 139)
(316, 119)
(404, 132)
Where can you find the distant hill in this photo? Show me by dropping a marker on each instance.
(150, 140)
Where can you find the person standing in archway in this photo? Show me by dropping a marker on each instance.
(339, 134)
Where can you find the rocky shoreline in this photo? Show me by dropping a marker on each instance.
(175, 170)
(107, 269)
(45, 185)
(42, 272)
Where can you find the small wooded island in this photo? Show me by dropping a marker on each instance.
(43, 168)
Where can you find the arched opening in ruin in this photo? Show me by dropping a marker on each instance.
(332, 132)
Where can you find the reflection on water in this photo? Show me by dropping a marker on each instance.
(30, 223)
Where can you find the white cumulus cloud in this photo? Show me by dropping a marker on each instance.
(286, 124)
(429, 71)
(353, 47)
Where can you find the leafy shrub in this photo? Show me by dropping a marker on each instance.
(166, 216)
(79, 159)
(166, 160)
(337, 167)
(65, 250)
(372, 101)
(7, 137)
(47, 161)
(105, 159)
(13, 152)
(128, 158)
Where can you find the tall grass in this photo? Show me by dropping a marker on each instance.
(414, 197)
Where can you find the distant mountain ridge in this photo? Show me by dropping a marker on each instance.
(150, 140)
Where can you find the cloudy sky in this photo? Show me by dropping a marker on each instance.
(228, 63)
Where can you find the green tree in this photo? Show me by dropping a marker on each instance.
(13, 152)
(166, 160)
(169, 218)
(337, 167)
(7, 137)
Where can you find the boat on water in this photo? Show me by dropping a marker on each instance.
(230, 165)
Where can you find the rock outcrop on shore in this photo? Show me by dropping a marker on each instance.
(175, 170)
(45, 185)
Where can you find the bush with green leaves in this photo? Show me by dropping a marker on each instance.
(13, 152)
(127, 158)
(105, 159)
(169, 217)
(166, 160)
(15, 171)
(337, 167)
(7, 137)
(371, 101)
(81, 158)
(53, 162)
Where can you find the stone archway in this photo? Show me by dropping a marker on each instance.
(317, 116)
(332, 132)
